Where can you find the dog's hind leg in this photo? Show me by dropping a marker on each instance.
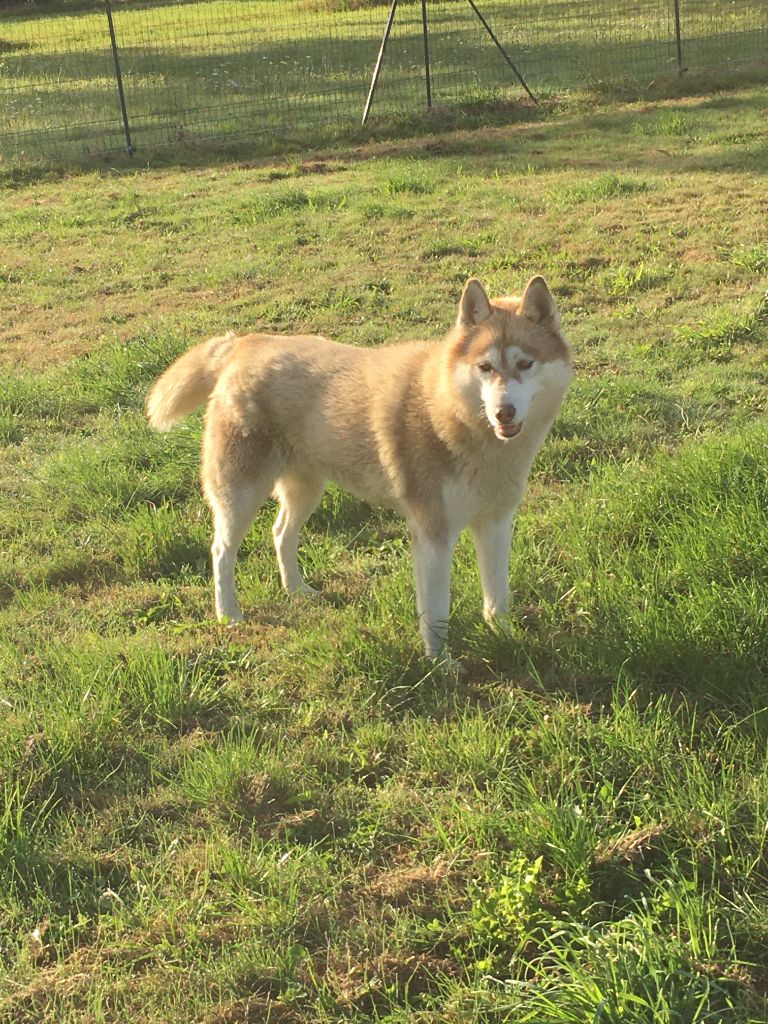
(239, 472)
(232, 518)
(298, 497)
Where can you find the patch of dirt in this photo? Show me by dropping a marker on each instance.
(400, 885)
(636, 847)
(372, 985)
(71, 978)
(253, 1010)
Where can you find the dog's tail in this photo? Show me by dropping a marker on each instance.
(188, 382)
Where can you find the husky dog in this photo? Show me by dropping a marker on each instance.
(444, 432)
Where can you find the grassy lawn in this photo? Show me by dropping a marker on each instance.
(234, 68)
(296, 820)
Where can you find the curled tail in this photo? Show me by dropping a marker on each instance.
(188, 382)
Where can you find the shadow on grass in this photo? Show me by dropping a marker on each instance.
(733, 682)
(71, 886)
(543, 135)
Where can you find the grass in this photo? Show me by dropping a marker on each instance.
(297, 819)
(232, 69)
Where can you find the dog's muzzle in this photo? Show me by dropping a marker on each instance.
(507, 425)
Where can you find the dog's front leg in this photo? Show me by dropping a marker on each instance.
(493, 539)
(432, 572)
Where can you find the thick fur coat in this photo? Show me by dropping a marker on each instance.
(444, 432)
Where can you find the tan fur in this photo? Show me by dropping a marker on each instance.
(188, 382)
(287, 414)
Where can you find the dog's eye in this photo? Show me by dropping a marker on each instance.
(525, 364)
(485, 367)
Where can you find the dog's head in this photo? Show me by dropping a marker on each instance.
(509, 356)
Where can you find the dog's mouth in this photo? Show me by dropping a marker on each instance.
(505, 431)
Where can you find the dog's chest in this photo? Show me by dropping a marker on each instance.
(492, 488)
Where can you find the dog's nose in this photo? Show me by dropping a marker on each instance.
(505, 414)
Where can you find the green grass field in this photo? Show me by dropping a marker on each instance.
(298, 820)
(244, 68)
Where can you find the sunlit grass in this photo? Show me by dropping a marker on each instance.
(234, 69)
(299, 819)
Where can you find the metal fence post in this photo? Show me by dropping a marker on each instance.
(379, 60)
(501, 49)
(425, 32)
(678, 39)
(119, 78)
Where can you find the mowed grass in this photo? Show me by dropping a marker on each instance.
(298, 819)
(233, 69)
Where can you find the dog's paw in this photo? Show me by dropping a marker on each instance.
(231, 620)
(303, 589)
(448, 667)
(494, 614)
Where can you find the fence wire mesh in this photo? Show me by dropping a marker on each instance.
(194, 69)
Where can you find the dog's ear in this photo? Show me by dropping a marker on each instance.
(537, 303)
(474, 306)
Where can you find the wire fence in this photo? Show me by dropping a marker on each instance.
(82, 77)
